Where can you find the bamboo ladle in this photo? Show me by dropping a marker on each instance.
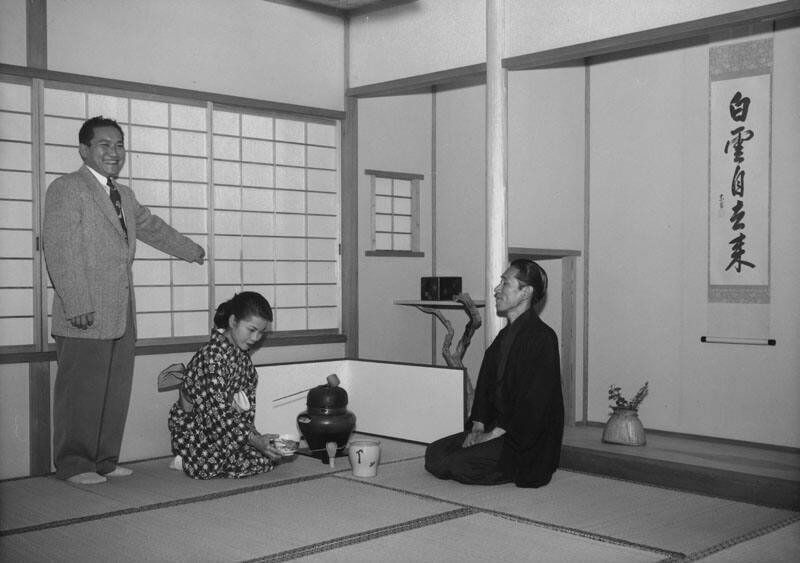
(332, 379)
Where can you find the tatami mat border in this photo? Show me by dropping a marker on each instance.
(463, 510)
(737, 540)
(159, 505)
(361, 537)
(179, 502)
(521, 519)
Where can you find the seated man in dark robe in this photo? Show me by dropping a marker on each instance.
(516, 425)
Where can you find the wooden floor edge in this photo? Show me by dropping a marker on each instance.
(754, 489)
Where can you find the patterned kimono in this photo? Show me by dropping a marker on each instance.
(212, 438)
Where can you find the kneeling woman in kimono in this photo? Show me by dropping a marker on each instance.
(212, 422)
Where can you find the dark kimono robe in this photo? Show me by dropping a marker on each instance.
(518, 390)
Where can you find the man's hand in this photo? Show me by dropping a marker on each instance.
(83, 321)
(478, 436)
(200, 256)
(472, 438)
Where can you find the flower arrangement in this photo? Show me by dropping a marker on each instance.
(621, 402)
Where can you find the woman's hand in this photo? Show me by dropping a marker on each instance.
(263, 443)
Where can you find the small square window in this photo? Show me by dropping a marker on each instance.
(395, 213)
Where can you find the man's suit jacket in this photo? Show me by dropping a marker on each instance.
(88, 257)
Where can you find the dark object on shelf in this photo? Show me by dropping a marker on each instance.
(326, 420)
(440, 289)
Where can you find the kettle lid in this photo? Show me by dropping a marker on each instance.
(325, 396)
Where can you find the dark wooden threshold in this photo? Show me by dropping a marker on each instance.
(155, 346)
(742, 472)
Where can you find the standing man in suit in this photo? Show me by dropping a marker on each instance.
(91, 225)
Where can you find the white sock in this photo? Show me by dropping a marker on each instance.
(177, 463)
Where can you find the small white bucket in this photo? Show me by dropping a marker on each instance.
(364, 457)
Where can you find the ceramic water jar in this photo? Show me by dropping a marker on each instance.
(364, 454)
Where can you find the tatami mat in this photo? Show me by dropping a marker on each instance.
(484, 537)
(232, 528)
(650, 516)
(307, 510)
(777, 546)
(39, 501)
(42, 501)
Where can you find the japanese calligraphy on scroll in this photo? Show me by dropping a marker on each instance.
(740, 122)
(739, 179)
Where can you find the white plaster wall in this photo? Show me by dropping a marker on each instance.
(546, 180)
(647, 288)
(538, 25)
(436, 35)
(546, 158)
(13, 45)
(146, 433)
(636, 258)
(416, 38)
(248, 48)
(546, 186)
(394, 134)
(461, 207)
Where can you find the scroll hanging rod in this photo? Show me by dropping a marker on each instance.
(734, 340)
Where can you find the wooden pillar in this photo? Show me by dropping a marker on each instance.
(349, 248)
(36, 22)
(569, 301)
(496, 188)
(39, 426)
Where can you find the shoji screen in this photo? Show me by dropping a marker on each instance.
(16, 217)
(276, 215)
(259, 190)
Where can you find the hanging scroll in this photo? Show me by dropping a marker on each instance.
(740, 115)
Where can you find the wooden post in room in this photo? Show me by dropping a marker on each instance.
(39, 418)
(568, 316)
(496, 154)
(349, 247)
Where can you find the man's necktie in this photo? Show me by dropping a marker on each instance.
(116, 201)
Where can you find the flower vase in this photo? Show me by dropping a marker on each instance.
(624, 427)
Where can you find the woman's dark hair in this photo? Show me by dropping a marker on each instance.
(86, 133)
(243, 306)
(532, 274)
